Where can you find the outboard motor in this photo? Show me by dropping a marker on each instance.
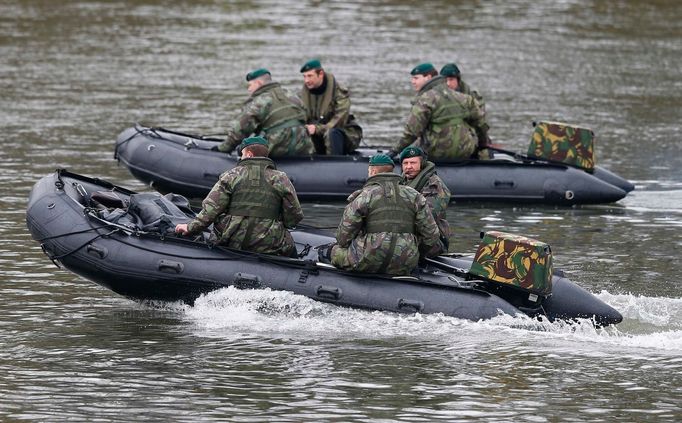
(560, 142)
(516, 268)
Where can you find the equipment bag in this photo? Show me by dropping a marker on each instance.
(514, 260)
(159, 213)
(563, 143)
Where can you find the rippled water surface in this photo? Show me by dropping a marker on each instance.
(74, 74)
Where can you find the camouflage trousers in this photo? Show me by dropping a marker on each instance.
(370, 253)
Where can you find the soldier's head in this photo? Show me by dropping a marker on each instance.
(253, 147)
(257, 78)
(412, 161)
(380, 163)
(421, 74)
(313, 74)
(452, 75)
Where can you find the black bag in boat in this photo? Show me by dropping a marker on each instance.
(160, 213)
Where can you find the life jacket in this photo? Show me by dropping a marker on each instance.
(283, 112)
(419, 182)
(254, 196)
(391, 213)
(319, 107)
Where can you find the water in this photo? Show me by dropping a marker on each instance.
(74, 75)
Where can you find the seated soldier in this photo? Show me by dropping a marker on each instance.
(444, 123)
(385, 226)
(420, 174)
(274, 112)
(251, 206)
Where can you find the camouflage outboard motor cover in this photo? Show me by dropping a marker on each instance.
(563, 143)
(514, 260)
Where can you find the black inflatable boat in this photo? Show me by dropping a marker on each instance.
(184, 164)
(90, 227)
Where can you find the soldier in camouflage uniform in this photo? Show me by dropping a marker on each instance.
(275, 113)
(385, 226)
(442, 122)
(453, 78)
(420, 174)
(327, 103)
(250, 206)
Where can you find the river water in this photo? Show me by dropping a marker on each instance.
(74, 74)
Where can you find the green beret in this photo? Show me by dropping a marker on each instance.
(255, 74)
(422, 69)
(253, 141)
(411, 152)
(310, 65)
(450, 70)
(381, 160)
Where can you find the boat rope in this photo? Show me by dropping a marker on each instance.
(61, 256)
(137, 132)
(47, 238)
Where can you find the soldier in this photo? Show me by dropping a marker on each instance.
(420, 174)
(251, 205)
(453, 78)
(385, 226)
(441, 120)
(327, 103)
(275, 113)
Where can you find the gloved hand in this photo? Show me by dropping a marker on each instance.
(392, 154)
(324, 253)
(215, 148)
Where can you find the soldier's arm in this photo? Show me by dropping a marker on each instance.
(477, 119)
(437, 196)
(215, 203)
(246, 124)
(353, 219)
(427, 230)
(415, 126)
(292, 213)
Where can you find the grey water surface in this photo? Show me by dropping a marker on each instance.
(73, 74)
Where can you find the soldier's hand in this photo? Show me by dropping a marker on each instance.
(311, 129)
(181, 229)
(215, 148)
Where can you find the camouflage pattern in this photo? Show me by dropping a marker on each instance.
(366, 252)
(514, 260)
(465, 88)
(269, 236)
(329, 110)
(563, 143)
(284, 141)
(443, 122)
(437, 195)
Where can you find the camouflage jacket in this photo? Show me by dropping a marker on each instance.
(443, 122)
(437, 195)
(287, 139)
(465, 88)
(369, 252)
(331, 109)
(268, 235)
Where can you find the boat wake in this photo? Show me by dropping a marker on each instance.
(650, 323)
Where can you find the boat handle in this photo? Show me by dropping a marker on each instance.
(503, 184)
(95, 250)
(246, 281)
(330, 292)
(414, 305)
(169, 266)
(355, 181)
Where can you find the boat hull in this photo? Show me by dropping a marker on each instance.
(184, 164)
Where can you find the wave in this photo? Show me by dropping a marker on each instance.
(650, 323)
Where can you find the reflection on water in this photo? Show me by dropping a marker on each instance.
(72, 77)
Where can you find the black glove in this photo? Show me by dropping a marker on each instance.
(324, 253)
(215, 148)
(392, 154)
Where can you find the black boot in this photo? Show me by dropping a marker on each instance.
(337, 139)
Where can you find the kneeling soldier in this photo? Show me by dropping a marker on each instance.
(251, 205)
(385, 226)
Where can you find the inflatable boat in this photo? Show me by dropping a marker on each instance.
(184, 164)
(124, 241)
